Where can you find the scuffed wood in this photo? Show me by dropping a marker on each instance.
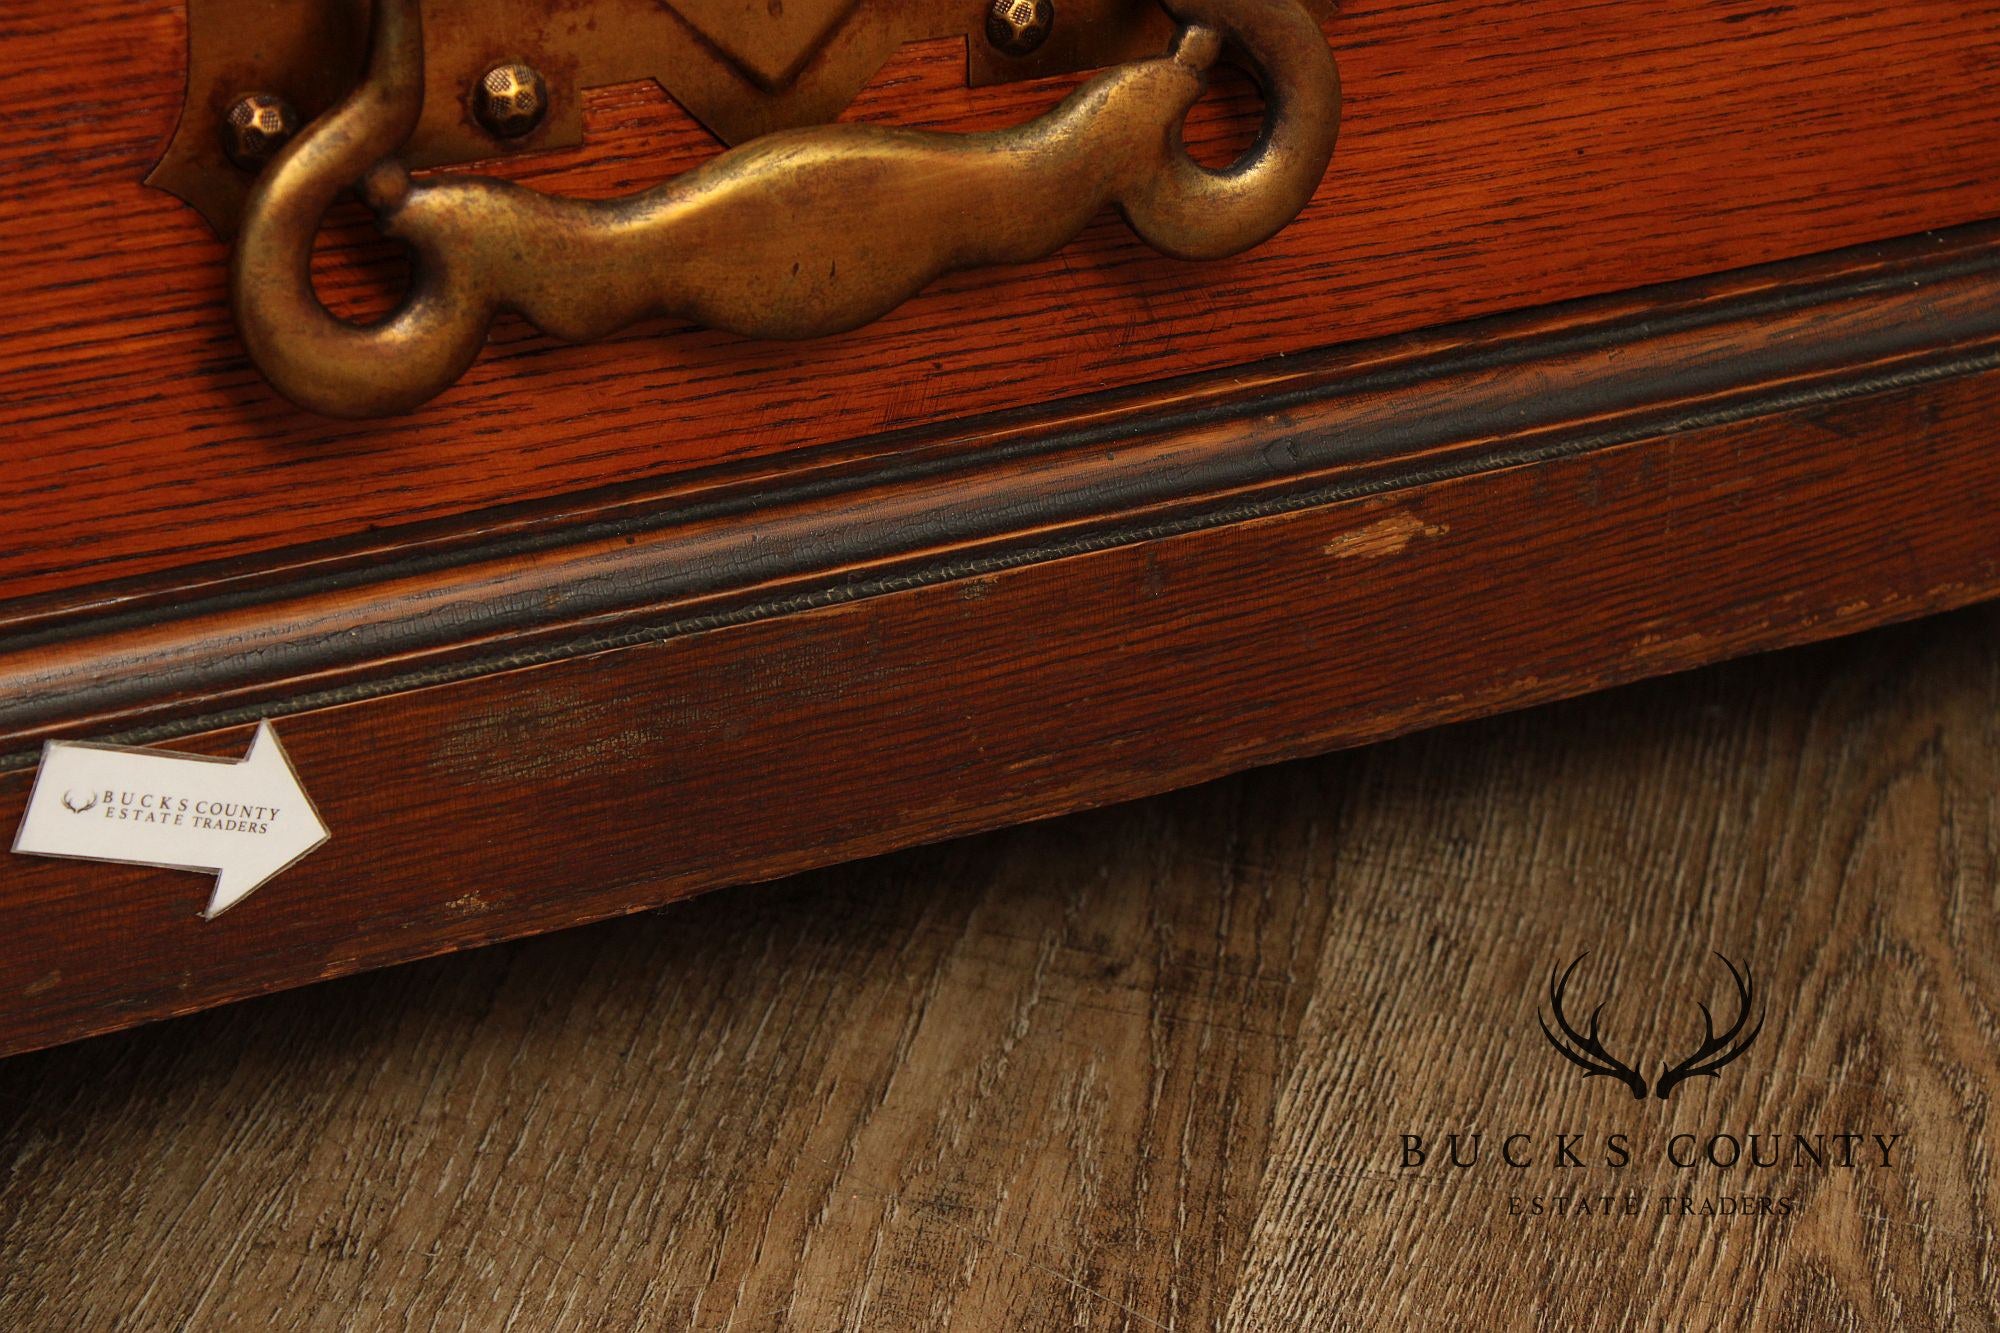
(521, 801)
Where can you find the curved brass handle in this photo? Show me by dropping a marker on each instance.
(794, 235)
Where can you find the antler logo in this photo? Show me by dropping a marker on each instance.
(77, 805)
(1587, 1052)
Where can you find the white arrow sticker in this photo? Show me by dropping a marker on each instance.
(241, 821)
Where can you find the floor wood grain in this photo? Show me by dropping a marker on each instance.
(1144, 1069)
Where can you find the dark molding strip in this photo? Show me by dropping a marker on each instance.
(499, 592)
(985, 441)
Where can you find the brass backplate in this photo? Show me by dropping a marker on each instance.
(742, 67)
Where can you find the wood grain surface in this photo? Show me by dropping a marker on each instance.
(1147, 1068)
(1497, 155)
(536, 795)
(342, 622)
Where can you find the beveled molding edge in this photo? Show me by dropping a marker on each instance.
(499, 591)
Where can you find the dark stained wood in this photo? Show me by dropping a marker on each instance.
(1498, 155)
(614, 625)
(1141, 1069)
(644, 563)
(535, 796)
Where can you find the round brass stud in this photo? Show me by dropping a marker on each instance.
(256, 129)
(511, 100)
(1019, 27)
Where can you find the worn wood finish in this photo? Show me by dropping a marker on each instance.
(1497, 155)
(1359, 549)
(642, 563)
(1142, 1069)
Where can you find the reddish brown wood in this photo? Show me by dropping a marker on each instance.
(1648, 517)
(649, 561)
(611, 625)
(1497, 155)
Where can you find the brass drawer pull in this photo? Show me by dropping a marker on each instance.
(797, 234)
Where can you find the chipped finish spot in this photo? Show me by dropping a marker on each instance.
(1389, 536)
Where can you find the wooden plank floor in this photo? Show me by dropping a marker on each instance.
(1147, 1068)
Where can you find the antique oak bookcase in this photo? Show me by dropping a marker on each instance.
(1616, 339)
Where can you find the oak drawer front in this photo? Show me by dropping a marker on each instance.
(599, 708)
(1494, 156)
(1616, 341)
